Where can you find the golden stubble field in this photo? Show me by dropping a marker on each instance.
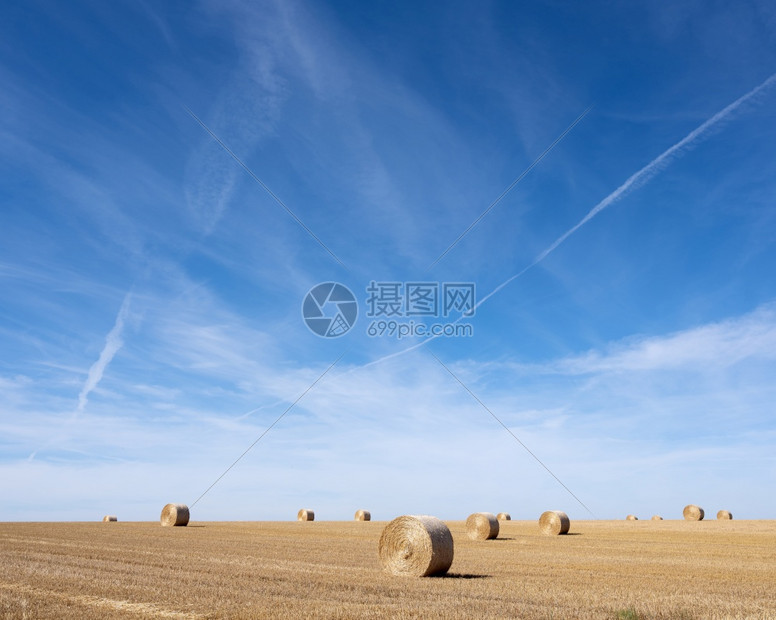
(603, 569)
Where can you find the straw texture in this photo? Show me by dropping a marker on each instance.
(482, 526)
(175, 515)
(305, 514)
(416, 546)
(692, 512)
(554, 522)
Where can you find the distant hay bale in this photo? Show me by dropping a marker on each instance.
(724, 515)
(504, 516)
(482, 526)
(305, 514)
(416, 546)
(363, 515)
(657, 518)
(631, 518)
(692, 512)
(554, 522)
(175, 515)
(109, 518)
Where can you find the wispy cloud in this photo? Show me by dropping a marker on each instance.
(245, 112)
(611, 413)
(714, 346)
(350, 154)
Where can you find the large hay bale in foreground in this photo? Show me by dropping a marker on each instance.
(416, 546)
(504, 516)
(631, 518)
(109, 518)
(724, 515)
(175, 515)
(554, 522)
(305, 514)
(657, 518)
(363, 515)
(692, 512)
(482, 526)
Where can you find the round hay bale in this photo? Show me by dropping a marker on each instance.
(482, 526)
(416, 546)
(175, 515)
(724, 515)
(363, 515)
(631, 518)
(692, 512)
(554, 522)
(504, 516)
(657, 518)
(305, 514)
(109, 518)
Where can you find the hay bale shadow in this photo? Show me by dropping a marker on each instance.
(460, 576)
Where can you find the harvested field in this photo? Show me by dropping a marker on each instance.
(601, 569)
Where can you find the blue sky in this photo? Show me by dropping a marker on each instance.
(151, 290)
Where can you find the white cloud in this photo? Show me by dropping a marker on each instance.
(713, 346)
(613, 425)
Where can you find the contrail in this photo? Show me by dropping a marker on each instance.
(634, 181)
(113, 343)
(640, 178)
